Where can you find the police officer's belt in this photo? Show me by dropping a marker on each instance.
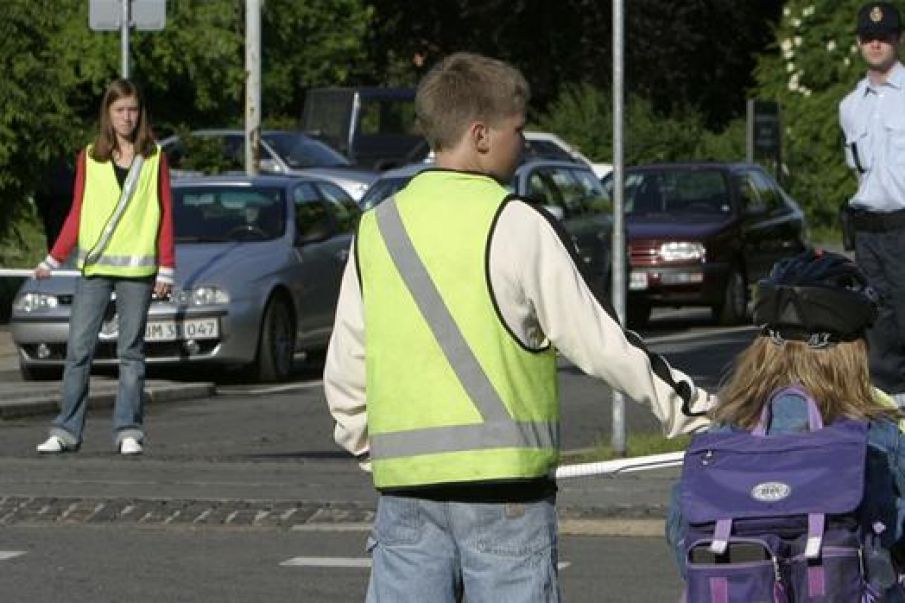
(872, 221)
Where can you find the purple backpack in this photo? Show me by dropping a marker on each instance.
(774, 518)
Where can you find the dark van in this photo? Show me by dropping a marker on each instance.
(374, 127)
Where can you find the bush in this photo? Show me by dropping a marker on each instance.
(23, 247)
(812, 65)
(583, 115)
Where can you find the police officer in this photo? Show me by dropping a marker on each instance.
(873, 123)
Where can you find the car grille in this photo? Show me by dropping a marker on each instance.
(644, 253)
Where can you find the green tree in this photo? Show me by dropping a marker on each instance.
(192, 73)
(583, 115)
(814, 62)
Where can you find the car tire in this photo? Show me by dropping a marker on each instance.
(40, 373)
(637, 314)
(732, 309)
(276, 343)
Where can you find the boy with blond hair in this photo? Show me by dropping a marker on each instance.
(441, 371)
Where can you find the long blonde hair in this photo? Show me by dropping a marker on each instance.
(836, 376)
(142, 137)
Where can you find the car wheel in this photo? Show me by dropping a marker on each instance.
(276, 343)
(40, 373)
(733, 308)
(637, 314)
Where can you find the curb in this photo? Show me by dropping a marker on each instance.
(47, 402)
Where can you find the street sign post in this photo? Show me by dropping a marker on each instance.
(764, 133)
(113, 15)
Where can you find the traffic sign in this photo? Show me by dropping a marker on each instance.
(145, 15)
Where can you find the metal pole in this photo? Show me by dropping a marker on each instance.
(749, 131)
(124, 39)
(252, 86)
(618, 435)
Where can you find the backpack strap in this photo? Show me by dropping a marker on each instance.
(815, 421)
(721, 532)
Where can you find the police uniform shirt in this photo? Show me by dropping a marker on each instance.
(543, 299)
(873, 122)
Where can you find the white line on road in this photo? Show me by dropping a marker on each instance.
(4, 555)
(353, 562)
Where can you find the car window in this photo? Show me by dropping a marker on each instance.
(749, 195)
(542, 189)
(594, 198)
(674, 191)
(345, 209)
(299, 151)
(387, 116)
(768, 191)
(312, 218)
(228, 213)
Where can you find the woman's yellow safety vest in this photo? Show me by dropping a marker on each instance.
(452, 395)
(131, 250)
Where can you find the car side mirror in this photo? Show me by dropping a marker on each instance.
(268, 165)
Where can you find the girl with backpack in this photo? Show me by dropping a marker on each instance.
(794, 493)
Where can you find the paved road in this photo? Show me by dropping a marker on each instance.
(103, 564)
(236, 484)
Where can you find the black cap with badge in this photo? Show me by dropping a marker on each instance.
(878, 19)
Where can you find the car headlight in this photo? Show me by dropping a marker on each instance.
(201, 296)
(35, 302)
(682, 251)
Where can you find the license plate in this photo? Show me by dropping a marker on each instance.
(637, 280)
(195, 328)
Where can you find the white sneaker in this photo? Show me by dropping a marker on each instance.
(129, 446)
(52, 445)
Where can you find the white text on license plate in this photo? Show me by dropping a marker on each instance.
(637, 280)
(169, 330)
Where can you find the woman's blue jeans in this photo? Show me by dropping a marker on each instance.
(424, 550)
(92, 295)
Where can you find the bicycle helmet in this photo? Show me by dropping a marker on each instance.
(816, 296)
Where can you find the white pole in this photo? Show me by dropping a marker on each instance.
(618, 437)
(640, 463)
(29, 272)
(124, 39)
(252, 86)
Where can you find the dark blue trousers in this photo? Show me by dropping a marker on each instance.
(881, 255)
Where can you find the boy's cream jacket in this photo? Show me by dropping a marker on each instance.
(544, 300)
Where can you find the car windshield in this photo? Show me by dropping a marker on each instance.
(230, 213)
(300, 151)
(674, 191)
(383, 189)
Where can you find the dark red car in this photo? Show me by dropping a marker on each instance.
(701, 233)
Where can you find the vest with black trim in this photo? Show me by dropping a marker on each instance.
(132, 249)
(452, 395)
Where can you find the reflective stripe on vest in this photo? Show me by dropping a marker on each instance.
(499, 429)
(124, 233)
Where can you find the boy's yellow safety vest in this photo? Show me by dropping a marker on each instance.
(131, 250)
(452, 395)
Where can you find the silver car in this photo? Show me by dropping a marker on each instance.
(258, 267)
(282, 152)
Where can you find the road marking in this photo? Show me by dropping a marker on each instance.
(327, 562)
(4, 555)
(351, 562)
